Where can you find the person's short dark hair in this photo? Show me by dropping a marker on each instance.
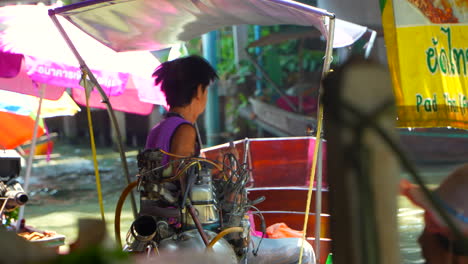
(180, 78)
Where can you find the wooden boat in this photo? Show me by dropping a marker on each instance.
(44, 146)
(280, 172)
(281, 122)
(280, 166)
(435, 145)
(294, 118)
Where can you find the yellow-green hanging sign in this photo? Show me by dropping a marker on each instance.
(427, 48)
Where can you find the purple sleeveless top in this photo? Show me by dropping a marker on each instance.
(160, 135)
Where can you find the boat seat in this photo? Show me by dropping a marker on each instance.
(287, 205)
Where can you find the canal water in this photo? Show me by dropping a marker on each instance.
(410, 217)
(63, 190)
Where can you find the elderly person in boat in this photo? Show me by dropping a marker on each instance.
(185, 83)
(438, 243)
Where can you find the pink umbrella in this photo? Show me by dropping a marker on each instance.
(28, 30)
(14, 78)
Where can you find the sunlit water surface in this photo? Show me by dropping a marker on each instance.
(410, 224)
(410, 217)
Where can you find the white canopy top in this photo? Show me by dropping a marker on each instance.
(126, 25)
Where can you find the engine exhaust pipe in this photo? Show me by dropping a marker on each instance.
(14, 194)
(144, 228)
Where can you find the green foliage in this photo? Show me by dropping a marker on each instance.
(233, 106)
(194, 46)
(11, 216)
(286, 63)
(226, 59)
(296, 57)
(244, 69)
(226, 65)
(243, 99)
(95, 255)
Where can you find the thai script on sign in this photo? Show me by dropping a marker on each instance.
(76, 75)
(446, 58)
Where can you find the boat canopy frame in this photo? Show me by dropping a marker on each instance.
(128, 25)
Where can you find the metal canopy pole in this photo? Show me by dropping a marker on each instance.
(105, 99)
(32, 150)
(318, 203)
(318, 194)
(317, 158)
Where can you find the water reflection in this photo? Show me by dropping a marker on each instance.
(410, 225)
(410, 217)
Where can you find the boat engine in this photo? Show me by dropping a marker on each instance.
(12, 194)
(202, 204)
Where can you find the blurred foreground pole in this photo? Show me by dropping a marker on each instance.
(362, 169)
(212, 120)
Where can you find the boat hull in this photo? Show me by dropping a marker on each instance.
(280, 169)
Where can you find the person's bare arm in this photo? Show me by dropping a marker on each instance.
(183, 140)
(182, 144)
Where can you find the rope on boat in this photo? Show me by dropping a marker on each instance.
(318, 138)
(93, 147)
(326, 69)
